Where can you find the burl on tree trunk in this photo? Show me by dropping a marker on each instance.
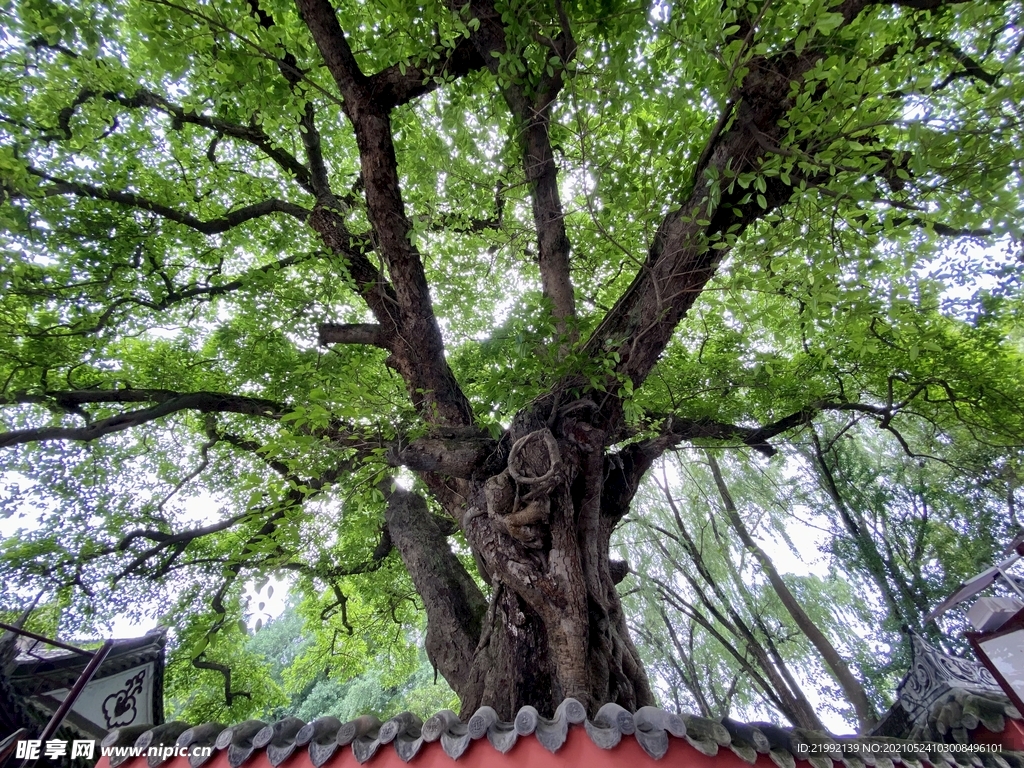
(538, 516)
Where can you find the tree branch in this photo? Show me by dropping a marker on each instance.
(942, 229)
(223, 669)
(417, 347)
(533, 111)
(628, 466)
(146, 99)
(399, 85)
(920, 5)
(130, 199)
(319, 183)
(168, 404)
(456, 457)
(352, 333)
(166, 541)
(177, 295)
(320, 18)
(454, 604)
(692, 239)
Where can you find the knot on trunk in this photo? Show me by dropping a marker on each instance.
(525, 516)
(554, 458)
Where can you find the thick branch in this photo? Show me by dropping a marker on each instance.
(146, 99)
(454, 604)
(691, 240)
(455, 457)
(943, 229)
(223, 669)
(130, 199)
(417, 349)
(632, 462)
(77, 397)
(319, 16)
(168, 404)
(318, 181)
(177, 295)
(533, 112)
(920, 5)
(166, 541)
(352, 333)
(393, 87)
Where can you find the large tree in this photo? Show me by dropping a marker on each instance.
(503, 220)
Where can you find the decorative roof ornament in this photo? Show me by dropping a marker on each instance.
(933, 675)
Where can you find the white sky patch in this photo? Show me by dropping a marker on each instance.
(265, 602)
(28, 516)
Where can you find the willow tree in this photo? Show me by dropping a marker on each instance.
(498, 221)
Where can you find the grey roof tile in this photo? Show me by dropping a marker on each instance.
(455, 741)
(123, 737)
(361, 727)
(167, 733)
(238, 741)
(320, 738)
(199, 736)
(653, 728)
(743, 734)
(553, 733)
(481, 720)
(365, 744)
(782, 758)
(399, 724)
(526, 720)
(405, 732)
(440, 723)
(610, 724)
(278, 739)
(502, 736)
(408, 745)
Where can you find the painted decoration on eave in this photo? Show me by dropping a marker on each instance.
(126, 691)
(115, 701)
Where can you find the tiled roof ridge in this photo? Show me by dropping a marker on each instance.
(653, 729)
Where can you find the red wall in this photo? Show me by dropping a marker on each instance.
(1012, 738)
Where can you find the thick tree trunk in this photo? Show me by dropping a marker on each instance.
(556, 628)
(539, 530)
